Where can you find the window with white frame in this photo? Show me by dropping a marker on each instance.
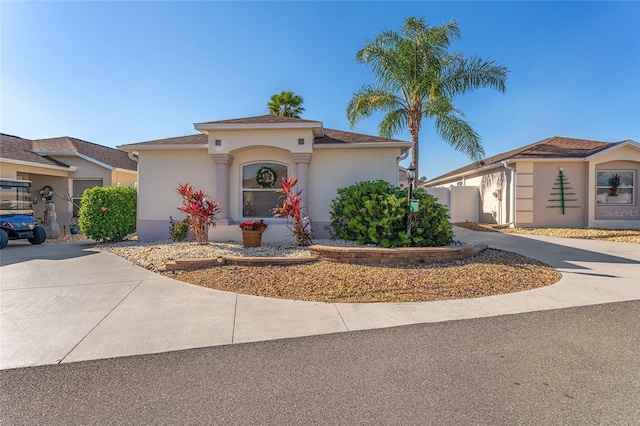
(260, 183)
(615, 186)
(79, 186)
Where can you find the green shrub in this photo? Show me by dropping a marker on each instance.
(430, 225)
(376, 213)
(108, 213)
(178, 231)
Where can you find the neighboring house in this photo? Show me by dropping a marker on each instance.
(224, 161)
(66, 165)
(524, 188)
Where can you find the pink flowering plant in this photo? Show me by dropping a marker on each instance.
(253, 225)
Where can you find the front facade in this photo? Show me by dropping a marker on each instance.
(66, 166)
(240, 163)
(557, 182)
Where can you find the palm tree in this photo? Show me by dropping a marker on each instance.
(417, 77)
(286, 104)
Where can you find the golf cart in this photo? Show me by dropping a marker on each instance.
(17, 220)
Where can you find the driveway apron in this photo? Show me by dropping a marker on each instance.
(67, 302)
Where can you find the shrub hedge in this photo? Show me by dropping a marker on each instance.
(376, 213)
(108, 213)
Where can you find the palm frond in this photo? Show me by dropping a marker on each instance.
(460, 135)
(367, 100)
(393, 123)
(462, 75)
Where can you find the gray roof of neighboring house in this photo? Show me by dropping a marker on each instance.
(554, 147)
(16, 148)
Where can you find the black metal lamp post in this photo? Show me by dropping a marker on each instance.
(411, 175)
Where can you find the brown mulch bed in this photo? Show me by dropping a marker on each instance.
(489, 273)
(616, 235)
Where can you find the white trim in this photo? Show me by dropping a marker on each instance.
(628, 142)
(462, 175)
(315, 126)
(45, 166)
(134, 148)
(404, 145)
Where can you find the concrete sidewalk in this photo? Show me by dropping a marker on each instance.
(64, 303)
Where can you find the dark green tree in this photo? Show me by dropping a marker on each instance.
(286, 104)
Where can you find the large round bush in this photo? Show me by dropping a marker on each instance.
(376, 213)
(108, 213)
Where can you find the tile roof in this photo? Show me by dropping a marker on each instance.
(21, 149)
(332, 136)
(262, 119)
(554, 147)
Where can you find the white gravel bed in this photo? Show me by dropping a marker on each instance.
(155, 254)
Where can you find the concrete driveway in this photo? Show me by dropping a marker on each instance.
(63, 303)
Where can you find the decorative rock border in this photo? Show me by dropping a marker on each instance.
(394, 256)
(353, 255)
(181, 264)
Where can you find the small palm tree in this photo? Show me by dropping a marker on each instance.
(286, 104)
(417, 77)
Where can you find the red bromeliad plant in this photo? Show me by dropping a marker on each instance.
(200, 210)
(253, 225)
(292, 209)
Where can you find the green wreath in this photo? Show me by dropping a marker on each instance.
(266, 177)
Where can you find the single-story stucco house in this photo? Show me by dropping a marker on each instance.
(65, 165)
(224, 159)
(557, 182)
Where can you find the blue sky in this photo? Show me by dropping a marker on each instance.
(122, 72)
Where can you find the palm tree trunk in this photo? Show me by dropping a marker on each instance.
(415, 147)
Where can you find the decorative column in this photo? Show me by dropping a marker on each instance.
(222, 162)
(302, 161)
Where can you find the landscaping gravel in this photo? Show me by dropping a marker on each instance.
(489, 273)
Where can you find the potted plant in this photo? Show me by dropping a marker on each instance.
(74, 229)
(252, 232)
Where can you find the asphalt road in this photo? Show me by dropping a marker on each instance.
(577, 366)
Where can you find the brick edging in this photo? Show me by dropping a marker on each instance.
(393, 256)
(180, 264)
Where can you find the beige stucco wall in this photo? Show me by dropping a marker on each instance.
(547, 213)
(331, 169)
(86, 169)
(11, 171)
(123, 177)
(233, 141)
(159, 174)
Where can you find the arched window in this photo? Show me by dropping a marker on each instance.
(260, 183)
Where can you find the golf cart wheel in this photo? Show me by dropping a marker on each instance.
(39, 235)
(4, 238)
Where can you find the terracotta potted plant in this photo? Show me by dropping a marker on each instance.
(252, 232)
